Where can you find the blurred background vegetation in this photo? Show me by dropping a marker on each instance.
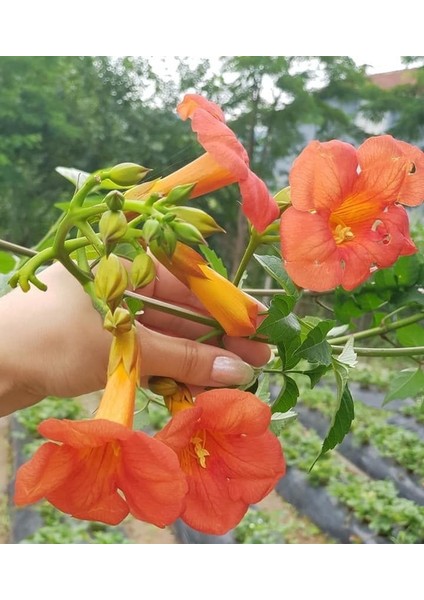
(90, 112)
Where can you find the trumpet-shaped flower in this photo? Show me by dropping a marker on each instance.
(345, 220)
(228, 454)
(99, 469)
(232, 308)
(225, 162)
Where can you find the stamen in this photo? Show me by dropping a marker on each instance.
(342, 233)
(198, 442)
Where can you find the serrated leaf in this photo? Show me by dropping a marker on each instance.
(280, 420)
(315, 374)
(7, 262)
(411, 335)
(407, 270)
(214, 260)
(340, 424)
(315, 347)
(262, 391)
(409, 383)
(280, 324)
(348, 355)
(287, 398)
(273, 265)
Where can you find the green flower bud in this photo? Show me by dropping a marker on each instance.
(112, 227)
(115, 200)
(151, 230)
(199, 218)
(188, 233)
(127, 174)
(180, 193)
(283, 199)
(168, 240)
(143, 270)
(111, 279)
(163, 386)
(118, 322)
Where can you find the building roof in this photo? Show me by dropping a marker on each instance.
(394, 78)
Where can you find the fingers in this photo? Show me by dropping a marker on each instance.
(190, 362)
(255, 353)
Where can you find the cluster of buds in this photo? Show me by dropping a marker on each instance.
(170, 223)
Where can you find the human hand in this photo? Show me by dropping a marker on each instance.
(53, 343)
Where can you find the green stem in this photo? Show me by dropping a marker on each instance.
(378, 330)
(175, 310)
(211, 334)
(254, 242)
(413, 351)
(17, 249)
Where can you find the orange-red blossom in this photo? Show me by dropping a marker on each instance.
(229, 456)
(100, 469)
(225, 162)
(345, 220)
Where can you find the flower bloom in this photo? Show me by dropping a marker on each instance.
(225, 162)
(99, 469)
(232, 308)
(345, 219)
(228, 454)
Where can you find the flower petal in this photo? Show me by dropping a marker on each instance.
(152, 480)
(311, 256)
(233, 412)
(258, 204)
(412, 190)
(177, 433)
(83, 434)
(48, 469)
(110, 509)
(322, 175)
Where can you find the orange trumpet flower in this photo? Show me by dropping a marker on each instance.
(228, 454)
(232, 308)
(345, 220)
(225, 162)
(99, 469)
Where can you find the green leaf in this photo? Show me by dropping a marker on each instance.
(75, 176)
(280, 324)
(340, 424)
(315, 347)
(273, 265)
(348, 355)
(214, 260)
(315, 374)
(409, 383)
(411, 335)
(280, 420)
(407, 270)
(262, 391)
(287, 398)
(7, 262)
(135, 306)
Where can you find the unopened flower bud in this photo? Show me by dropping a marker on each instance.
(199, 218)
(111, 279)
(115, 200)
(168, 240)
(283, 199)
(118, 322)
(188, 233)
(143, 270)
(163, 386)
(151, 230)
(127, 173)
(112, 227)
(180, 193)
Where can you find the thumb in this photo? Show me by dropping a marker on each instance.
(190, 362)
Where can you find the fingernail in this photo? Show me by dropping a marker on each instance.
(231, 371)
